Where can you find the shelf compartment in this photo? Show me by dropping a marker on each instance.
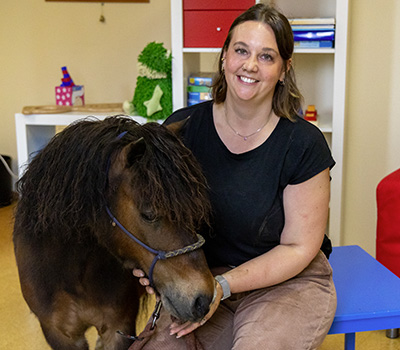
(217, 49)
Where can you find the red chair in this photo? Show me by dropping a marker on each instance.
(388, 227)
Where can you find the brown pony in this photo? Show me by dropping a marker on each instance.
(84, 198)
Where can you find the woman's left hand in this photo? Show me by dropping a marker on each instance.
(181, 329)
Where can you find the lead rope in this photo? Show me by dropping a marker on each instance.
(192, 343)
(143, 335)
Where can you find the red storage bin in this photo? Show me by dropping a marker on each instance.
(207, 28)
(388, 223)
(206, 22)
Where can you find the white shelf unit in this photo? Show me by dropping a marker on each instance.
(34, 131)
(321, 75)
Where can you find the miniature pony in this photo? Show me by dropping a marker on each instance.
(86, 199)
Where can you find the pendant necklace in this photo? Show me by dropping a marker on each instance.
(244, 137)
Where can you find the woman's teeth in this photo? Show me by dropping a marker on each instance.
(247, 80)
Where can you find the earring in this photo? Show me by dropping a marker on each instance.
(222, 65)
(281, 82)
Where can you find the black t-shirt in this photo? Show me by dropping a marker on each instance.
(246, 190)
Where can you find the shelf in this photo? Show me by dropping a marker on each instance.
(326, 128)
(312, 51)
(217, 50)
(34, 131)
(200, 50)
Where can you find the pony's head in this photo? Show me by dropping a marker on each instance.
(151, 183)
(158, 193)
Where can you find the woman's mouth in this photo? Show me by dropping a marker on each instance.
(247, 80)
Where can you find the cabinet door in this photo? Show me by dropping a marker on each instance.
(217, 4)
(207, 28)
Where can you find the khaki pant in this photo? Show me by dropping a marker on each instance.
(296, 314)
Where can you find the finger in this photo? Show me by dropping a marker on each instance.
(144, 281)
(188, 329)
(176, 327)
(183, 329)
(138, 273)
(150, 290)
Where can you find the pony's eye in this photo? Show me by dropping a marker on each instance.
(149, 216)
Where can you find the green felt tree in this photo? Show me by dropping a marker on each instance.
(153, 93)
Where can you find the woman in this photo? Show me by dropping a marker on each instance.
(268, 171)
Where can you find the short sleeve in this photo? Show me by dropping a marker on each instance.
(308, 154)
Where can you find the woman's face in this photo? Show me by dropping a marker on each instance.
(252, 62)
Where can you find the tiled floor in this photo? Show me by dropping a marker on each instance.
(19, 329)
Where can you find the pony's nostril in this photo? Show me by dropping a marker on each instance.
(201, 306)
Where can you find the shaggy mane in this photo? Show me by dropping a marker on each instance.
(62, 191)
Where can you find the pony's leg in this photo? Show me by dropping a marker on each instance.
(58, 340)
(118, 313)
(64, 328)
(111, 340)
(120, 317)
(115, 320)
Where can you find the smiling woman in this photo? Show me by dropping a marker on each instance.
(268, 173)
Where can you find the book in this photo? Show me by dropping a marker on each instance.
(197, 97)
(314, 35)
(311, 21)
(314, 44)
(317, 27)
(202, 78)
(198, 88)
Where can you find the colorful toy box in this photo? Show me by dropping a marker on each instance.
(68, 92)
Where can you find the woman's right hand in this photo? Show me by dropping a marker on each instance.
(144, 281)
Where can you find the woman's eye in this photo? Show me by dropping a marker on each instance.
(241, 51)
(149, 216)
(266, 57)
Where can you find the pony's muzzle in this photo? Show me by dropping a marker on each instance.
(185, 308)
(201, 306)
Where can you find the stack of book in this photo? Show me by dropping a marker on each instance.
(313, 33)
(199, 88)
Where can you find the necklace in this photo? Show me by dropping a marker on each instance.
(244, 137)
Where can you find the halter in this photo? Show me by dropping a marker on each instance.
(159, 254)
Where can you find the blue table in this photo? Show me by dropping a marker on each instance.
(368, 294)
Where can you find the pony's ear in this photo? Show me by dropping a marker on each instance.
(178, 127)
(135, 151)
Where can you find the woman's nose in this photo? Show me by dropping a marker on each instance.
(250, 65)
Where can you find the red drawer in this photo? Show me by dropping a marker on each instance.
(217, 4)
(207, 28)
